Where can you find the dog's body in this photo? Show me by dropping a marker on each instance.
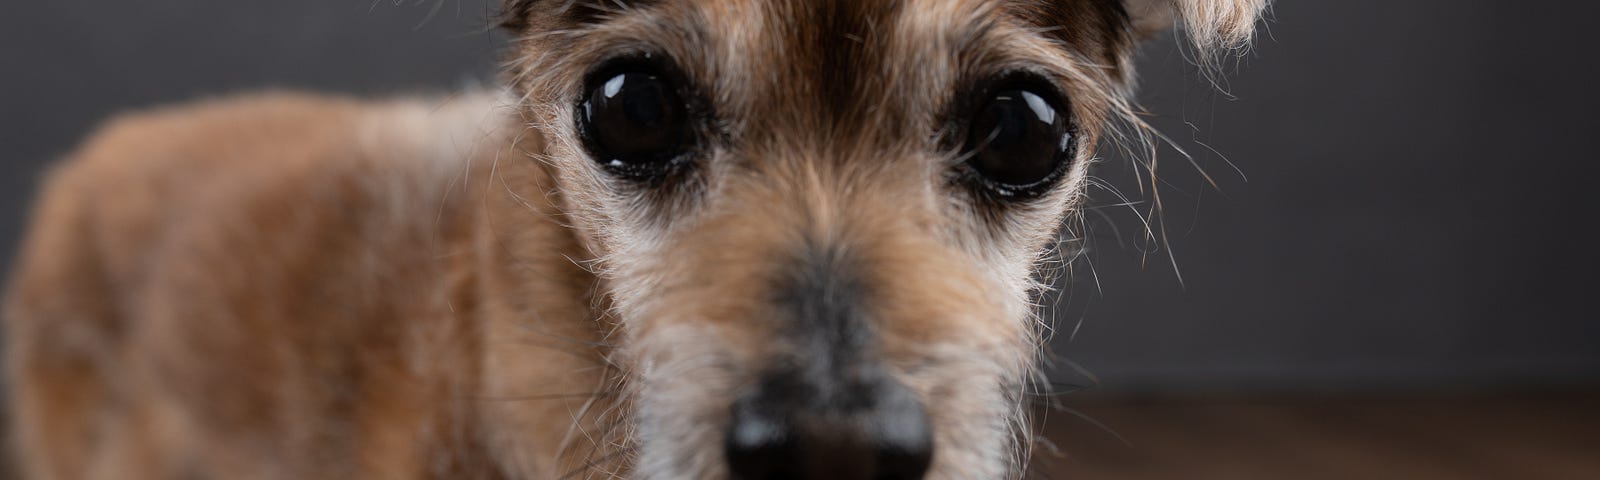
(286, 286)
(347, 342)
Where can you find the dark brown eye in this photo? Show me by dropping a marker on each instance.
(633, 121)
(1019, 142)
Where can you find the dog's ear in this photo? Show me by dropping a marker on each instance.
(1211, 25)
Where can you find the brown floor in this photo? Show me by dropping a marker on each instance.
(1484, 436)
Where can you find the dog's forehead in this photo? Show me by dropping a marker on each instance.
(835, 66)
(857, 34)
(829, 71)
(840, 65)
(1075, 21)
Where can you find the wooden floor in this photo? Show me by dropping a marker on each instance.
(1535, 436)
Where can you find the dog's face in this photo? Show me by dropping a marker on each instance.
(817, 220)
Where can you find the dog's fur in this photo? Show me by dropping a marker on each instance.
(290, 286)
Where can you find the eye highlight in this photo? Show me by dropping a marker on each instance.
(1020, 139)
(633, 119)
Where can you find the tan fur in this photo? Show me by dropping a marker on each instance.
(364, 254)
(288, 286)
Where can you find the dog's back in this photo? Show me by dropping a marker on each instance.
(204, 287)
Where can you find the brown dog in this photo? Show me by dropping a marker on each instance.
(693, 239)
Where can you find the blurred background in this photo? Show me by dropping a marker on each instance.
(1393, 276)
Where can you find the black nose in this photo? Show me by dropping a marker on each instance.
(790, 431)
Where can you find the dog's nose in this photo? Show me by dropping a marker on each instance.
(790, 431)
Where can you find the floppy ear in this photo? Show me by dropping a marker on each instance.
(1211, 25)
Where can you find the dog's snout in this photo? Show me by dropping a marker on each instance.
(875, 430)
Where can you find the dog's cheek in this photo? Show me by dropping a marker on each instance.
(959, 335)
(975, 431)
(695, 331)
(684, 377)
(970, 393)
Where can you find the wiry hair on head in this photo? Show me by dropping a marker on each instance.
(1220, 24)
(1212, 26)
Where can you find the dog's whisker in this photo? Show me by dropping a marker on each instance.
(591, 463)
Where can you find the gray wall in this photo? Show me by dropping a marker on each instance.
(1416, 214)
(1420, 208)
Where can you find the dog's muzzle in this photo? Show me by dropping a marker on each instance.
(872, 428)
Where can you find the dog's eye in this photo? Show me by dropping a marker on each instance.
(634, 121)
(1018, 142)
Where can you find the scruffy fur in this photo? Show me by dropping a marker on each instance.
(293, 286)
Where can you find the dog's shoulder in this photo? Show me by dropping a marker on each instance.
(245, 186)
(199, 242)
(261, 160)
(261, 137)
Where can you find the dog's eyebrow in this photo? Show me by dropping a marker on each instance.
(1085, 24)
(519, 14)
(585, 12)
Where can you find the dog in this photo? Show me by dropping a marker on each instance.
(689, 239)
